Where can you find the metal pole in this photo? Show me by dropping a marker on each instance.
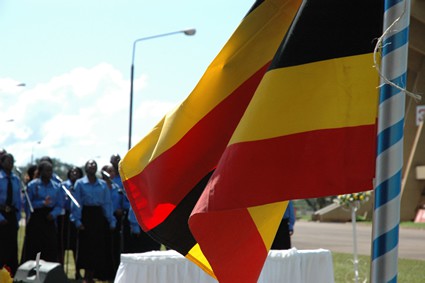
(130, 122)
(131, 104)
(354, 207)
(389, 161)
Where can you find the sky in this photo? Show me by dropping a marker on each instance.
(74, 58)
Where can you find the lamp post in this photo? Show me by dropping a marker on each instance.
(186, 32)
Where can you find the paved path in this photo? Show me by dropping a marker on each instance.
(338, 237)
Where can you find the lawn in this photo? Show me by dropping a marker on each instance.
(409, 270)
(405, 224)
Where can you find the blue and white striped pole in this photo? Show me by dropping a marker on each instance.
(389, 162)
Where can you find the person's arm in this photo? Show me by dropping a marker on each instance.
(32, 188)
(17, 199)
(4, 192)
(290, 208)
(134, 225)
(75, 216)
(107, 207)
(58, 200)
(115, 197)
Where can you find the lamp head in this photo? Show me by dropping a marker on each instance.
(190, 31)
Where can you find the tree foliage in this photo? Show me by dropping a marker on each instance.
(59, 168)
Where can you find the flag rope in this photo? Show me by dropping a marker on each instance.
(379, 45)
(389, 161)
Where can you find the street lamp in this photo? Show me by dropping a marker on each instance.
(186, 32)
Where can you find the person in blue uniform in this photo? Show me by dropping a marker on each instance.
(10, 208)
(108, 174)
(132, 242)
(46, 199)
(125, 206)
(66, 230)
(55, 177)
(282, 240)
(94, 221)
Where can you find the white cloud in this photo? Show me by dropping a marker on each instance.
(79, 115)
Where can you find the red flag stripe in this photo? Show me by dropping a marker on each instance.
(239, 226)
(313, 164)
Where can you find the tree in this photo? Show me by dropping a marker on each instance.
(59, 168)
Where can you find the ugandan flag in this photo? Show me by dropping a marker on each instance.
(309, 131)
(166, 172)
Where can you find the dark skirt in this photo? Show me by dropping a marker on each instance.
(142, 243)
(282, 240)
(40, 236)
(118, 243)
(67, 236)
(95, 244)
(9, 242)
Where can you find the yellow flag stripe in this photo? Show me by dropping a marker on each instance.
(267, 219)
(322, 95)
(195, 255)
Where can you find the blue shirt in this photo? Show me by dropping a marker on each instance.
(66, 199)
(125, 203)
(134, 225)
(16, 185)
(92, 194)
(37, 193)
(117, 197)
(56, 179)
(290, 214)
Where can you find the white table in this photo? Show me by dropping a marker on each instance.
(292, 265)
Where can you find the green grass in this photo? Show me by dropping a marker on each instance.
(405, 224)
(409, 224)
(409, 270)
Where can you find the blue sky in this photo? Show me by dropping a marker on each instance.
(75, 58)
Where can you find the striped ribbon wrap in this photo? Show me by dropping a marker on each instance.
(389, 162)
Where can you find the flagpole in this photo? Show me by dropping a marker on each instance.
(389, 161)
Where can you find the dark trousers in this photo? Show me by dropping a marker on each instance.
(282, 240)
(95, 244)
(41, 236)
(9, 242)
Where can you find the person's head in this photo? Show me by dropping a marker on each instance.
(7, 162)
(31, 173)
(90, 167)
(74, 173)
(46, 158)
(2, 152)
(109, 169)
(115, 159)
(45, 170)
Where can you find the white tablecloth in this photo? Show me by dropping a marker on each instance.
(292, 265)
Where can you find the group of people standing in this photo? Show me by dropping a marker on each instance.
(88, 213)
